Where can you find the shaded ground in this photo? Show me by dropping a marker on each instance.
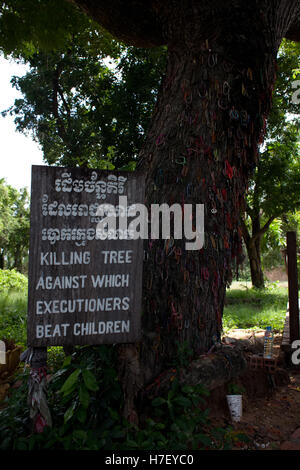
(272, 422)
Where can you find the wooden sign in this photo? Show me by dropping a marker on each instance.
(85, 283)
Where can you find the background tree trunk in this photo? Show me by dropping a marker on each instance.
(253, 246)
(18, 259)
(257, 275)
(253, 243)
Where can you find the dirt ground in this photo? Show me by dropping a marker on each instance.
(272, 422)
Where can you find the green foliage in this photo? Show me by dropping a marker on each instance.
(10, 279)
(13, 306)
(235, 389)
(82, 394)
(277, 179)
(183, 356)
(81, 112)
(26, 27)
(13, 317)
(288, 61)
(84, 113)
(183, 417)
(14, 226)
(255, 308)
(85, 400)
(275, 185)
(55, 358)
(14, 418)
(84, 397)
(273, 240)
(178, 421)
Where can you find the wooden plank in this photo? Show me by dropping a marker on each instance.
(82, 289)
(293, 286)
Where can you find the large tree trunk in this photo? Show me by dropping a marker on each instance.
(210, 113)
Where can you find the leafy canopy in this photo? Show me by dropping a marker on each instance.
(32, 25)
(84, 113)
(275, 187)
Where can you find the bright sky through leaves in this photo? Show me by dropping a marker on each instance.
(18, 152)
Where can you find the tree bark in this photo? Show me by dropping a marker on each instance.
(201, 148)
(210, 371)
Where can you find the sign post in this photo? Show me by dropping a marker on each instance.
(293, 286)
(85, 264)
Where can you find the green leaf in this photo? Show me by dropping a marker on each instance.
(204, 439)
(158, 401)
(113, 414)
(90, 380)
(117, 433)
(70, 382)
(21, 444)
(84, 396)
(70, 412)
(67, 361)
(182, 401)
(80, 435)
(81, 414)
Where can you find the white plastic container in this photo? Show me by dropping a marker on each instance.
(235, 405)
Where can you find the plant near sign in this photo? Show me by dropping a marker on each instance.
(81, 381)
(85, 400)
(77, 384)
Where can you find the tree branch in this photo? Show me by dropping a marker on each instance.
(245, 231)
(61, 128)
(263, 229)
(249, 210)
(131, 21)
(293, 33)
(67, 108)
(139, 23)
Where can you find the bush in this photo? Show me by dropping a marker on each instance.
(13, 317)
(13, 305)
(85, 399)
(12, 280)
